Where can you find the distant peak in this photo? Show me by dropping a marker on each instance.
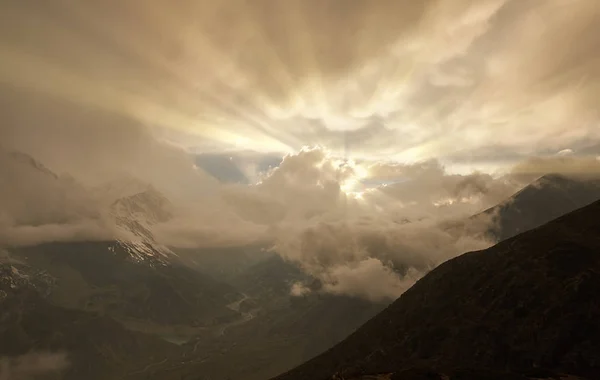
(554, 177)
(26, 159)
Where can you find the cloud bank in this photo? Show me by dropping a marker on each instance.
(367, 229)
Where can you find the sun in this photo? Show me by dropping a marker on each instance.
(353, 185)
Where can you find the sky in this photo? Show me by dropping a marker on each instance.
(316, 128)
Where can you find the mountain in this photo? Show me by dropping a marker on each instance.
(134, 216)
(313, 323)
(33, 195)
(528, 303)
(101, 277)
(122, 272)
(123, 210)
(96, 347)
(549, 197)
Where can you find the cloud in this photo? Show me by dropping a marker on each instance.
(577, 166)
(32, 365)
(353, 241)
(370, 279)
(96, 146)
(57, 158)
(408, 80)
(298, 289)
(36, 205)
(203, 230)
(427, 189)
(376, 259)
(565, 152)
(17, 235)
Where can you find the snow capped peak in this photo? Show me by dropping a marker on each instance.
(135, 214)
(123, 210)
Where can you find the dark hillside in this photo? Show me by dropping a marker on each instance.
(529, 302)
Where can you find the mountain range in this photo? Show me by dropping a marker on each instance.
(157, 312)
(127, 275)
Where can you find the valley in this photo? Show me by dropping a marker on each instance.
(225, 314)
(167, 313)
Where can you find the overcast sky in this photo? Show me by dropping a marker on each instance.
(420, 109)
(476, 82)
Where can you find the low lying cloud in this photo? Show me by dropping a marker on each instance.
(37, 205)
(362, 237)
(376, 259)
(24, 235)
(314, 209)
(370, 279)
(32, 365)
(201, 231)
(298, 289)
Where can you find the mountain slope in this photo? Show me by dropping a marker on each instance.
(549, 197)
(41, 206)
(134, 216)
(96, 347)
(99, 276)
(529, 302)
(99, 248)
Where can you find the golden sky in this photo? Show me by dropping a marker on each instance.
(476, 83)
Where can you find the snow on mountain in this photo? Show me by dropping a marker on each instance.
(134, 216)
(37, 197)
